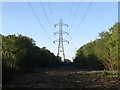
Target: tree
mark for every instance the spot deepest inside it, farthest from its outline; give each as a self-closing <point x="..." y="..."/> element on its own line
<point x="21" y="52"/>
<point x="103" y="52"/>
<point x="85" y="57"/>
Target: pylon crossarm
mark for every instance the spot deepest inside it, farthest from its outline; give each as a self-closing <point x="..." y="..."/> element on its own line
<point x="55" y="41"/>
<point x="65" y="41"/>
<point x="56" y="33"/>
<point x="65" y="33"/>
<point x="65" y="24"/>
<point x="56" y="25"/>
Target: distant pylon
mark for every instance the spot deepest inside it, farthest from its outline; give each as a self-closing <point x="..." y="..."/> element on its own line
<point x="60" y="40"/>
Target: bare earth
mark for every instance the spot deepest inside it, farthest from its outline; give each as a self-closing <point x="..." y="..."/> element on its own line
<point x="62" y="78"/>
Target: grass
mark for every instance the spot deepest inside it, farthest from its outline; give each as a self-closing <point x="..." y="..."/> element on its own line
<point x="110" y="73"/>
<point x="102" y="73"/>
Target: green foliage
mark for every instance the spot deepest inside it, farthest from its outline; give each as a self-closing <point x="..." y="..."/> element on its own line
<point x="21" y="52"/>
<point x="103" y="52"/>
<point x="110" y="73"/>
<point x="67" y="61"/>
<point x="86" y="58"/>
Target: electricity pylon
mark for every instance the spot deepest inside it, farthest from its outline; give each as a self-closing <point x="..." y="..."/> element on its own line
<point x="60" y="40"/>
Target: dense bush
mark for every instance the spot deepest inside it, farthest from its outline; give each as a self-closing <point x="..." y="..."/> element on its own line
<point x="103" y="52"/>
<point x="21" y="52"/>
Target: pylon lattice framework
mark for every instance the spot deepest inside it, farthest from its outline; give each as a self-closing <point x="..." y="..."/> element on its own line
<point x="60" y="40"/>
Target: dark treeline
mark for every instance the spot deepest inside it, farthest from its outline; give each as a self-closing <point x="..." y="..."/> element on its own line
<point x="19" y="53"/>
<point x="102" y="53"/>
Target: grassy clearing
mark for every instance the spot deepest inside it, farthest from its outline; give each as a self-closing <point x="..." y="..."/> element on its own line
<point x="69" y="79"/>
<point x="101" y="73"/>
<point x="110" y="73"/>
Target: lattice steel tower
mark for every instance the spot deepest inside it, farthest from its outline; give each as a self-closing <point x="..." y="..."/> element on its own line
<point x="60" y="40"/>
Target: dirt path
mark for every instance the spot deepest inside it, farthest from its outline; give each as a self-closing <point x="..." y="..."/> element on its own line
<point x="49" y="78"/>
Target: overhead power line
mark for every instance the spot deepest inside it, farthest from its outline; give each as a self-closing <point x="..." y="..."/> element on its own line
<point x="32" y="9"/>
<point x="70" y="10"/>
<point x="51" y="11"/>
<point x="75" y="14"/>
<point x="85" y="14"/>
<point x="46" y="16"/>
